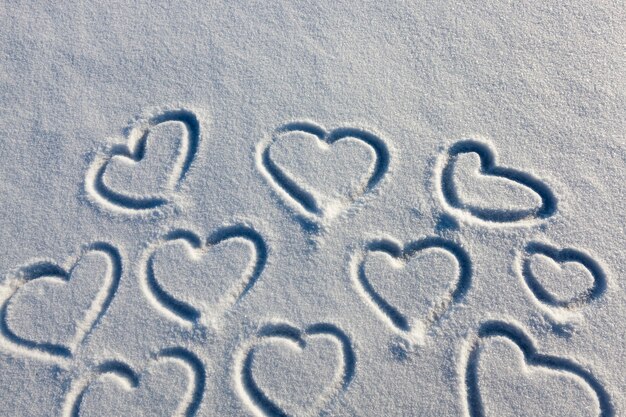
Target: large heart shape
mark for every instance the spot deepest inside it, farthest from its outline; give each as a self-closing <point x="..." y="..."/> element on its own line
<point x="145" y="173"/>
<point x="171" y="385"/>
<point x="562" y="278"/>
<point x="411" y="286"/>
<point x="50" y="309"/>
<point x="286" y="372"/>
<point x="556" y="384"/>
<point x="189" y="279"/>
<point x="489" y="192"/>
<point x="299" y="162"/>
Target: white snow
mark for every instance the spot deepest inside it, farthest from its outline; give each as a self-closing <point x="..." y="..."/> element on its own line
<point x="312" y="208"/>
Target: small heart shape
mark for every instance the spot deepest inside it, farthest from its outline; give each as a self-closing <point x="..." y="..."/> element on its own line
<point x="145" y="173"/>
<point x="171" y="385"/>
<point x="189" y="279"/>
<point x="319" y="173"/>
<point x="490" y="192"/>
<point x="51" y="309"/>
<point x="562" y="278"/>
<point x="411" y="286"/>
<point x="286" y="372"/>
<point x="558" y="385"/>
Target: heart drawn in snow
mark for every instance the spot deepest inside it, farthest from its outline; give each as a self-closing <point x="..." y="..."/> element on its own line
<point x="176" y="377"/>
<point x="146" y="172"/>
<point x="50" y="309"/>
<point x="288" y="372"/>
<point x="473" y="184"/>
<point x="190" y="279"/>
<point x="411" y="286"/>
<point x="318" y="172"/>
<point x="550" y="385"/>
<point x="562" y="278"/>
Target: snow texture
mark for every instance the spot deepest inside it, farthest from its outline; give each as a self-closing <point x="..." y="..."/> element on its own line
<point x="312" y="208"/>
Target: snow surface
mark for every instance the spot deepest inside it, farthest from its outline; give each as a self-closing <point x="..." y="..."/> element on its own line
<point x="304" y="209"/>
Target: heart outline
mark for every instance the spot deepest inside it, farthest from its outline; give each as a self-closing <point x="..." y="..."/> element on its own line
<point x="131" y="379"/>
<point x="532" y="358"/>
<point x="254" y="397"/>
<point x="561" y="256"/>
<point x="50" y="269"/>
<point x="183" y="311"/>
<point x="451" y="201"/>
<point x="134" y="150"/>
<point x="404" y="252"/>
<point x="298" y="199"/>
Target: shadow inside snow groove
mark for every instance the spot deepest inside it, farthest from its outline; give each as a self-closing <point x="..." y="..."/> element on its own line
<point x="518" y="336"/>
<point x="47" y="269"/>
<point x="127" y="374"/>
<point x="397" y="251"/>
<point x="192" y="125"/>
<point x="183" y="309"/>
<point x="298" y="337"/>
<point x="490" y="168"/>
<point x="560" y="256"/>
<point x="302" y="197"/>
